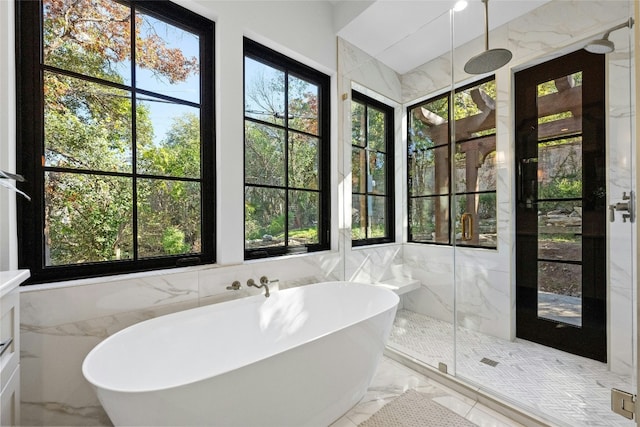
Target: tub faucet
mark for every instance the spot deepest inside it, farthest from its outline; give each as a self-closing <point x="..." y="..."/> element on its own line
<point x="263" y="284"/>
<point x="234" y="286"/>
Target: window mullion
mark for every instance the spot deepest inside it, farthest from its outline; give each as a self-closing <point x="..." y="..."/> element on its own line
<point x="286" y="159"/>
<point x="134" y="144"/>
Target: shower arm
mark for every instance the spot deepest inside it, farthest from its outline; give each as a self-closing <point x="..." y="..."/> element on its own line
<point x="486" y="24"/>
<point x="628" y="23"/>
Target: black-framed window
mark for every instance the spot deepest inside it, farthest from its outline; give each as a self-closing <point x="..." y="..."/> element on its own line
<point x="286" y="155"/>
<point x="467" y="190"/>
<point x="115" y="137"/>
<point x="372" y="190"/>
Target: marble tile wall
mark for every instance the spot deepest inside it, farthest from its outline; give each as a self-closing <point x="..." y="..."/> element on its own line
<point x="485" y="282"/>
<point x="61" y="324"/>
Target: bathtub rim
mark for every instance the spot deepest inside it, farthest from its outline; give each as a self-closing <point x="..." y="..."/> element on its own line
<point x="254" y="299"/>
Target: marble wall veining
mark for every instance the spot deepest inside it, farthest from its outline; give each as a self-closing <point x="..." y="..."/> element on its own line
<point x="484" y="280"/>
<point x="61" y="323"/>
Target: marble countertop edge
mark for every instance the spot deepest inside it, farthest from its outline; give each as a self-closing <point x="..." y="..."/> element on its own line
<point x="9" y="280"/>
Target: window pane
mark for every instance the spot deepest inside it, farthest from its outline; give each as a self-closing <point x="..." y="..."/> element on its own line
<point x="358" y="217"/>
<point x="560" y="292"/>
<point x="475" y="165"/>
<point x="377" y="221"/>
<point x="358" y="124"/>
<point x="429" y="171"/>
<point x="560" y="169"/>
<point x="75" y="133"/>
<point x="429" y="219"/>
<point x="90" y="37"/>
<point x="303" y="161"/>
<point x="304" y="217"/>
<point x="168" y="138"/>
<point x="376" y="129"/>
<point x="264" y="154"/>
<point x="88" y="218"/>
<point x="560" y="230"/>
<point x="263" y="92"/>
<point x="168" y="217"/>
<point x="358" y="170"/>
<point x="264" y="217"/>
<point x="167" y="59"/>
<point x="378" y="170"/>
<point x="303" y="105"/>
<point x="429" y="125"/>
<point x="479" y="220"/>
<point x="475" y="111"/>
<point x="563" y="91"/>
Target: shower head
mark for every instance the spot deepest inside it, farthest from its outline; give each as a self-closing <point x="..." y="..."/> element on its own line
<point x="490" y="59"/>
<point x="604" y="45"/>
<point x="487" y="61"/>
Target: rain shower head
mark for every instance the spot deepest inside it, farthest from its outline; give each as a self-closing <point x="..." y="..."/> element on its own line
<point x="604" y="45"/>
<point x="490" y="59"/>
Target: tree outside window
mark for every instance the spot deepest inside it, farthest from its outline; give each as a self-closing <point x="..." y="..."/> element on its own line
<point x="371" y="171"/>
<point x="286" y="155"/>
<point x="464" y="189"/>
<point x="124" y="134"/>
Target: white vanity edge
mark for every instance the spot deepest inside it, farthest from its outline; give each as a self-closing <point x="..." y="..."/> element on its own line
<point x="9" y="280"/>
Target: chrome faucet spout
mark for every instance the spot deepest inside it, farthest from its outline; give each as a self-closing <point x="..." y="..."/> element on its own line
<point x="263" y="284"/>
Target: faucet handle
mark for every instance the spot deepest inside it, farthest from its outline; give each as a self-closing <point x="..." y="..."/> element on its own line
<point x="234" y="286"/>
<point x="264" y="280"/>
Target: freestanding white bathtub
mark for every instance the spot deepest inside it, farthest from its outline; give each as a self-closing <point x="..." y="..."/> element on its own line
<point x="302" y="357"/>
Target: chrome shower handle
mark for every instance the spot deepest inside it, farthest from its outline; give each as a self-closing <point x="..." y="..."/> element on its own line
<point x="628" y="206"/>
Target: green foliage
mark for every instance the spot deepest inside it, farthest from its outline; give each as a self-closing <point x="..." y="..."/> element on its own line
<point x="89" y="215"/>
<point x="173" y="241"/>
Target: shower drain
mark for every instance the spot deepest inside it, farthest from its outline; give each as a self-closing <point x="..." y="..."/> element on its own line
<point x="489" y="362"/>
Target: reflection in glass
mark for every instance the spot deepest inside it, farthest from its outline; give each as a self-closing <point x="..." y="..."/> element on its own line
<point x="304" y="217"/>
<point x="303" y="161"/>
<point x="560" y="292"/>
<point x="264" y="217"/>
<point x="167" y="138"/>
<point x="264" y="154"/>
<point x="263" y="92"/>
<point x="429" y="219"/>
<point x="92" y="38"/>
<point x="75" y="134"/>
<point x="168" y="217"/>
<point x="88" y="218"/>
<point x="177" y="50"/>
<point x="303" y="105"/>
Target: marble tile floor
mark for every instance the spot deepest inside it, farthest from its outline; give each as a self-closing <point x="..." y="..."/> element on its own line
<point x="563" y="388"/>
<point x="392" y="379"/>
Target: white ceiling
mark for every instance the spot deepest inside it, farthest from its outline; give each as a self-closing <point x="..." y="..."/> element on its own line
<point x="404" y="34"/>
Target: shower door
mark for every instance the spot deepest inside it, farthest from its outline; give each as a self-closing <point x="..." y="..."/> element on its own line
<point x="561" y="204"/>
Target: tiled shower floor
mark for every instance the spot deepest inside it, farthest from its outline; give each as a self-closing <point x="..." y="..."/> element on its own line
<point x="567" y="389"/>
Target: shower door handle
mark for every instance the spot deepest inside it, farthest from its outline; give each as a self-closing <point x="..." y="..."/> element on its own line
<point x="628" y="206"/>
